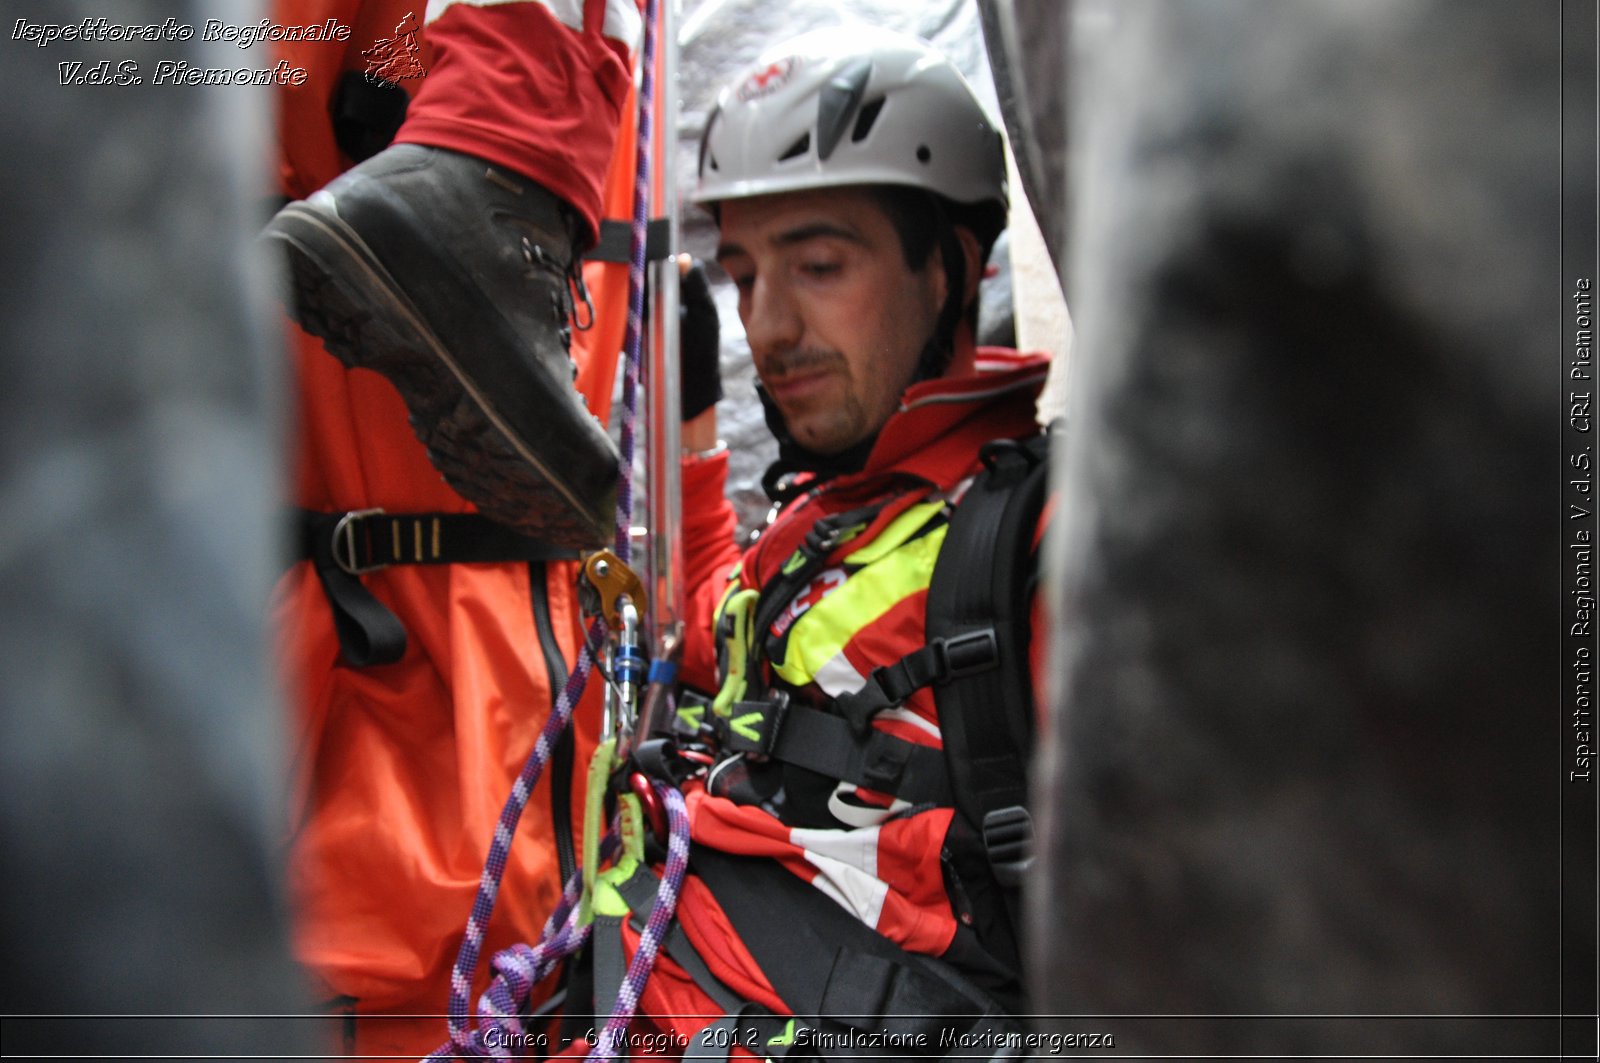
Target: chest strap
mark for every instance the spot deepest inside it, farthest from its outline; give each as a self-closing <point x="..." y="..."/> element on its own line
<point x="842" y="744"/>
<point x="344" y="546"/>
<point x="829" y="745"/>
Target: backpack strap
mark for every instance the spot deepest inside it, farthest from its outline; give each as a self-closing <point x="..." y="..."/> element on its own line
<point x="982" y="589"/>
<point x="839" y="975"/>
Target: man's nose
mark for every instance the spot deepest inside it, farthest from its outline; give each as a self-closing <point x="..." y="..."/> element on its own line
<point x="771" y="319"/>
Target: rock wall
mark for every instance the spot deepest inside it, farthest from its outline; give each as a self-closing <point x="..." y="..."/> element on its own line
<point x="1301" y="755"/>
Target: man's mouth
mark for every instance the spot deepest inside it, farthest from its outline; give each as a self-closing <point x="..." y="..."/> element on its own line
<point x="796" y="377"/>
<point x="795" y="387"/>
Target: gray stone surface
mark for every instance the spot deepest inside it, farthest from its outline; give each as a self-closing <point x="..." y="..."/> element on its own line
<point x="141" y="774"/>
<point x="1301" y="757"/>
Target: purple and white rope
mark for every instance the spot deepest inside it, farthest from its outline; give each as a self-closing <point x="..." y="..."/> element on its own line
<point x="500" y="847"/>
<point x="519" y="968"/>
<point x="655" y="929"/>
<point x="463" y="1040"/>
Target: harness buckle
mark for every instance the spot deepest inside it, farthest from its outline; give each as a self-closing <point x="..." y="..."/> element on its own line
<point x="753" y="726"/>
<point x="345" y="554"/>
<point x="969" y="654"/>
<point x="1008" y="839"/>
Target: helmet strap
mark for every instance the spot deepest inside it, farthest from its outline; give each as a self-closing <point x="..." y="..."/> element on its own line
<point x="794" y="458"/>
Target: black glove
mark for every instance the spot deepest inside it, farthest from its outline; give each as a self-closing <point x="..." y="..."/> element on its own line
<point x="699" y="332"/>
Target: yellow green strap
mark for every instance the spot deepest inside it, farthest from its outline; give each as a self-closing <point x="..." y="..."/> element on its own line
<point x="601" y="766"/>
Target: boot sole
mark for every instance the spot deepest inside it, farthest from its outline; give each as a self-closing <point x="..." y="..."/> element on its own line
<point x="343" y="295"/>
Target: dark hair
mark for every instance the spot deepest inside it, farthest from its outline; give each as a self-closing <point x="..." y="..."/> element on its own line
<point x="924" y="220"/>
<point x="921" y="219"/>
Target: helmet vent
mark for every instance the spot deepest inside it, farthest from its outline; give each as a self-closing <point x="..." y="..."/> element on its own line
<point x="923" y="153"/>
<point x="837" y="101"/>
<point x="864" y="120"/>
<point x="798" y="148"/>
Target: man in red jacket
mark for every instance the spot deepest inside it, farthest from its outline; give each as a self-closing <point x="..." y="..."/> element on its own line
<point x="858" y="185"/>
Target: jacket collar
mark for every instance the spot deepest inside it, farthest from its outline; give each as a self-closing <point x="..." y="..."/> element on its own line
<point x="936" y="432"/>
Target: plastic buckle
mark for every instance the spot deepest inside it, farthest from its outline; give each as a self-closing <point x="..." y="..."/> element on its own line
<point x="753" y="726"/>
<point x="1008" y="839"/>
<point x="969" y="654"/>
<point x="344" y="543"/>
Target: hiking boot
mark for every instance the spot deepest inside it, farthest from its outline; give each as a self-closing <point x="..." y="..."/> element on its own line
<point x="453" y="279"/>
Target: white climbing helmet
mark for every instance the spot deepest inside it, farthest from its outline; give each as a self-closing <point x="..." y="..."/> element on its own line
<point x="850" y="106"/>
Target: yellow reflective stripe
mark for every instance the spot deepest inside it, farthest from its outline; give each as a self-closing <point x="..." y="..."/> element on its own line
<point x="691" y="717"/>
<point x="899" y="530"/>
<point x="822" y="631"/>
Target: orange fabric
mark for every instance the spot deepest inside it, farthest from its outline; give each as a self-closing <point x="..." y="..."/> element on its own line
<point x="309" y="157"/>
<point x="401" y="771"/>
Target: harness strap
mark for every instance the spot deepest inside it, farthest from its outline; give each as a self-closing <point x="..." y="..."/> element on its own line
<point x="828" y="966"/>
<point x="940" y="660"/>
<point x="982" y="583"/>
<point x="616" y="240"/>
<point x="809" y="559"/>
<point x="830" y="745"/>
<point x="716" y="1039"/>
<point x="639" y="890"/>
<point x="747" y="618"/>
<point x="343" y="546"/>
<point x="365" y="540"/>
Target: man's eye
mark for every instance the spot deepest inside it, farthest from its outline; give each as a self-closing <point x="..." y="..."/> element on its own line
<point x="819" y="269"/>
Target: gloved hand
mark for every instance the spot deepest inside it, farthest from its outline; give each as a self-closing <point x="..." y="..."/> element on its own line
<point x="700" y="335"/>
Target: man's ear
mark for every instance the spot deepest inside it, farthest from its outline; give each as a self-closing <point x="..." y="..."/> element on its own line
<point x="972" y="271"/>
<point x="974" y="263"/>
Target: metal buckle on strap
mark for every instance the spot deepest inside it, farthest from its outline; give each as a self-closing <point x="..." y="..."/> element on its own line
<point x="344" y="543"/>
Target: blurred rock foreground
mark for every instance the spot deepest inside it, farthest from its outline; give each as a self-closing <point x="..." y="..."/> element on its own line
<point x="1301" y="756"/>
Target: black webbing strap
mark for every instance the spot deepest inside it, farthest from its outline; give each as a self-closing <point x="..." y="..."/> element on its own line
<point x="366" y="539"/>
<point x="342" y="546"/>
<point x="981" y="582"/>
<point x="610" y="966"/>
<point x="829" y="745"/>
<point x="829" y="967"/>
<point x="743" y="1022"/>
<point x="940" y="660"/>
<point x="616" y="241"/>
